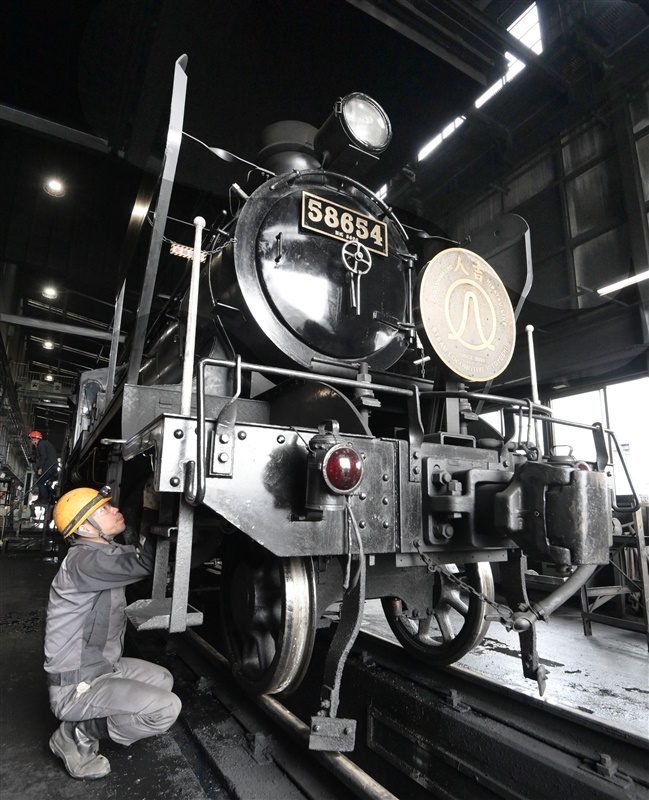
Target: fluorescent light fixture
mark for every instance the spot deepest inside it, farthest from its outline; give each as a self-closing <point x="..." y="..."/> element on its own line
<point x="48" y="345"/>
<point x="428" y="148"/>
<point x="613" y="287"/>
<point x="448" y="130"/>
<point x="50" y="292"/>
<point x="55" y="187"/>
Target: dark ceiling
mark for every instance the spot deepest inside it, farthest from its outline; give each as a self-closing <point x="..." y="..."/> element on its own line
<point x="102" y="72"/>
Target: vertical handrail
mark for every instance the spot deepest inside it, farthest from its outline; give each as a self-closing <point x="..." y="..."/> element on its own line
<point x="529" y="329"/>
<point x="194" y="487"/>
<point x="192" y="315"/>
<point x="636" y="500"/>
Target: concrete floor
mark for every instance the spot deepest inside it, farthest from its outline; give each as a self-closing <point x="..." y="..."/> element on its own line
<point x="605" y="675"/>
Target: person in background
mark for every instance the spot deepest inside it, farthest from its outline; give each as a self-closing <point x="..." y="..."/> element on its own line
<point x="96" y="691"/>
<point x="47" y="466"/>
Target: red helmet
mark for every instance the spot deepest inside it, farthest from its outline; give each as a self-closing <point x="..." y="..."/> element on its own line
<point x="35" y="435"/>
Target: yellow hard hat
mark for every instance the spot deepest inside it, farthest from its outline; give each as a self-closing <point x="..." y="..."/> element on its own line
<point x="74" y="508"/>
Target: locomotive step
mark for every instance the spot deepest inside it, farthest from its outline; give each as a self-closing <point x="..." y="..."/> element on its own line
<point x="152" y="614"/>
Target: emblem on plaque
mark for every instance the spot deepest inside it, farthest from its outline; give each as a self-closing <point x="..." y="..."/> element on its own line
<point x="466" y="315"/>
<point x="358" y="262"/>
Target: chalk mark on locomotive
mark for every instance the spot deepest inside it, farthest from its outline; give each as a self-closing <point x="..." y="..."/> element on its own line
<point x="347" y="475"/>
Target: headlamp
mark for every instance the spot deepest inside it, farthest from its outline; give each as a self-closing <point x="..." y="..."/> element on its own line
<point x="354" y="135"/>
<point x="365" y="122"/>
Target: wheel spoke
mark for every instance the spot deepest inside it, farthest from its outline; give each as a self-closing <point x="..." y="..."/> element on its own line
<point x="248" y="652"/>
<point x="445" y="626"/>
<point x="454" y="599"/>
<point x="265" y="650"/>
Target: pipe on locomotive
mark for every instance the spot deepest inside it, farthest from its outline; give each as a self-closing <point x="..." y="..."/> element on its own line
<point x="523" y="620"/>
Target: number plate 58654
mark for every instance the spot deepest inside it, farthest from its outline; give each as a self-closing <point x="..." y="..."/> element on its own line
<point x="339" y="222"/>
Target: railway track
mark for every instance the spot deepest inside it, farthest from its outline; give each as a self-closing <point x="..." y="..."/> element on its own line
<point x="421" y="733"/>
<point x="241" y="747"/>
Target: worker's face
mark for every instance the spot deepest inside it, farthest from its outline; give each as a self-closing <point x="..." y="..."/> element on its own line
<point x="33" y="440"/>
<point x="109" y="519"/>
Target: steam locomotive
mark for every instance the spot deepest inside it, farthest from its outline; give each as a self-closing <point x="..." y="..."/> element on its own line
<point x="300" y="446"/>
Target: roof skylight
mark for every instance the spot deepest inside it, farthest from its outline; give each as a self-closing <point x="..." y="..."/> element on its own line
<point x="528" y="31"/>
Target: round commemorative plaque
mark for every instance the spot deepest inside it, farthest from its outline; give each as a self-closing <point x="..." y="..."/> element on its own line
<point x="466" y="314"/>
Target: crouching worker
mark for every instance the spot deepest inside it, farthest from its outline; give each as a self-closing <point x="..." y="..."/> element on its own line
<point x="93" y="689"/>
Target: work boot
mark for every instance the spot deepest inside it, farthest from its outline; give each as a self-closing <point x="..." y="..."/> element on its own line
<point x="88" y="733"/>
<point x="77" y="743"/>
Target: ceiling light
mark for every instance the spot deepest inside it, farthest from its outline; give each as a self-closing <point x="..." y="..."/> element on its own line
<point x="50" y="292"/>
<point x="48" y="345"/>
<point x="613" y="287"/>
<point x="54" y="187"/>
<point x="46" y="400"/>
<point x="49" y="378"/>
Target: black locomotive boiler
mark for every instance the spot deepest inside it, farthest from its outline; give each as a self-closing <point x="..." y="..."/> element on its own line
<point x="304" y="450"/>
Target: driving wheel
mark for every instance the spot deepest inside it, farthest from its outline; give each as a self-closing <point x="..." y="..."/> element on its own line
<point x="268" y="612"/>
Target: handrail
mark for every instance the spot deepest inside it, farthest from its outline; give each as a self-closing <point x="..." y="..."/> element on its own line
<point x="196" y="469"/>
<point x="636" y="506"/>
<point x="535" y="411"/>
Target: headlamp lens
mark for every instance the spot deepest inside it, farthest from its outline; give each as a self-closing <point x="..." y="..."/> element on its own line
<point x="366" y="121"/>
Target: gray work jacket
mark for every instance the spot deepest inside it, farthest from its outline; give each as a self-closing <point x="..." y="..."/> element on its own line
<point x="84" y="632"/>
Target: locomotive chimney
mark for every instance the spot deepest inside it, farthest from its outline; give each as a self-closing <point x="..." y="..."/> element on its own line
<point x="287" y="146"/>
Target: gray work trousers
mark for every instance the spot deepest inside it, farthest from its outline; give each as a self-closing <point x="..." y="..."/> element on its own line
<point x="135" y="699"/>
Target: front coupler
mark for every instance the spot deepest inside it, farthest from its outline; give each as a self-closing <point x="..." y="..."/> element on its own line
<point x="557" y="513"/>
